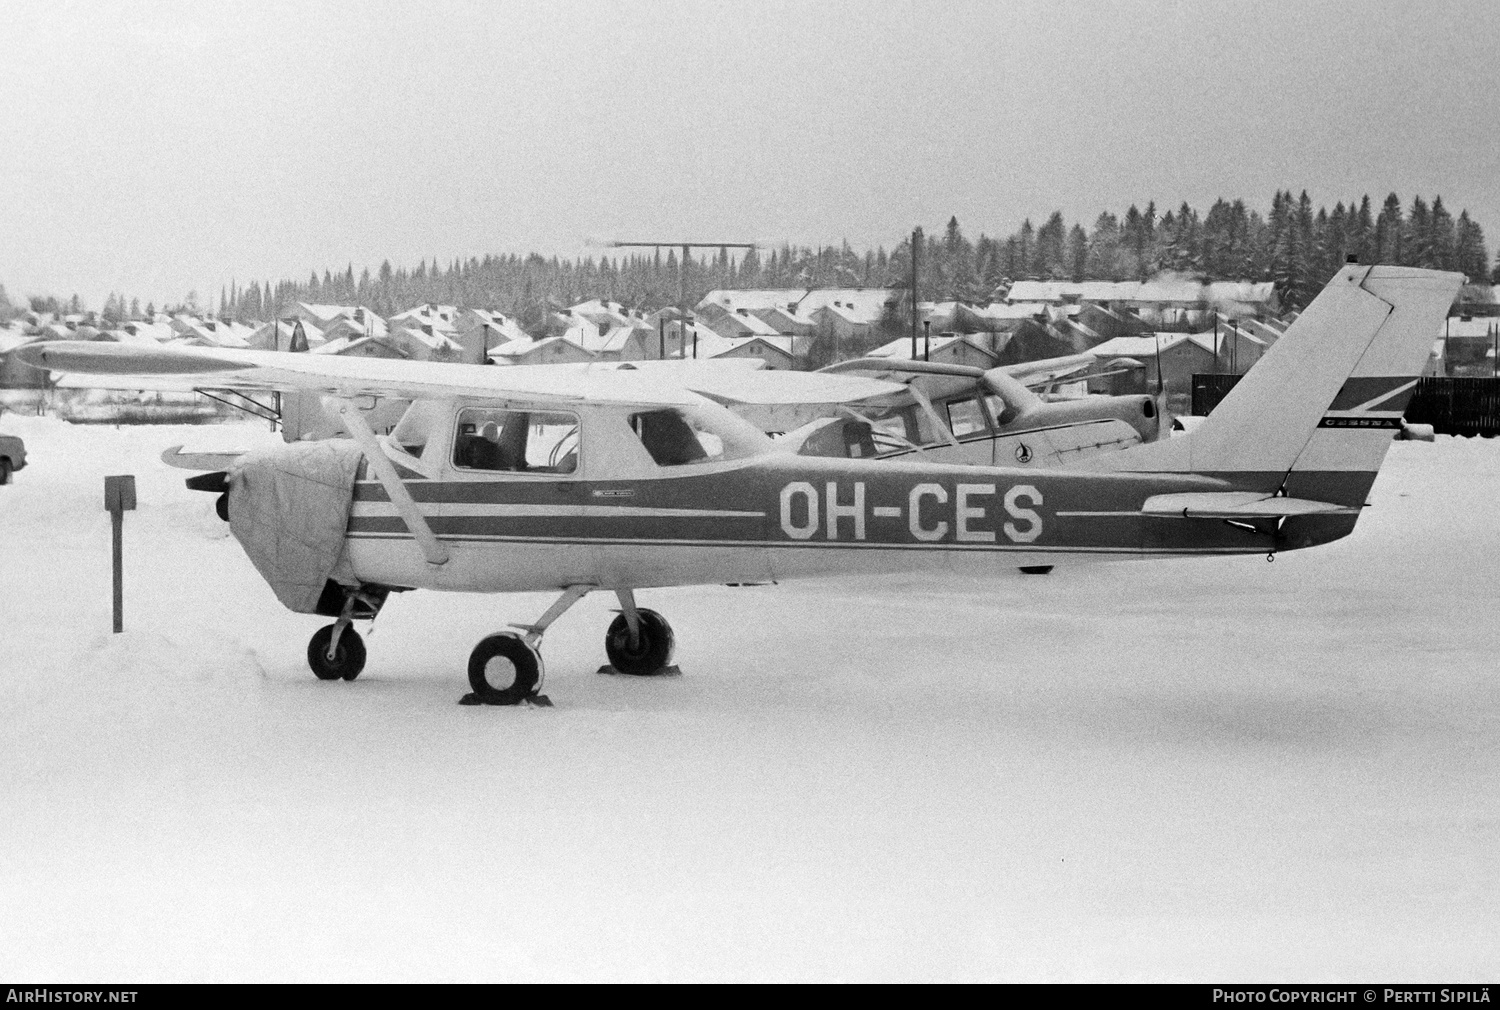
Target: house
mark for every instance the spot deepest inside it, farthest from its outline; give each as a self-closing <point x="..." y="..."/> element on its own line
<point x="213" y="333"/>
<point x="1468" y="344"/>
<point x="672" y="337"/>
<point x="324" y="316"/>
<point x="363" y="347"/>
<point x="424" y="342"/>
<point x="777" y="352"/>
<point x="868" y="305"/>
<point x="547" y="351"/>
<point x="843" y="323"/>
<point x="741" y="323"/>
<point x="354" y="327"/>
<point x="282" y="334"/>
<point x="997" y="317"/>
<point x="159" y="332"/>
<point x="605" y="315"/>
<point x="582" y="330"/>
<point x="439" y="317"/>
<point x="797" y="324"/>
<point x="1165" y="299"/>
<point x="1238" y="348"/>
<point x="1181" y="355"/>
<point x="625" y="342"/>
<point x="948" y="348"/>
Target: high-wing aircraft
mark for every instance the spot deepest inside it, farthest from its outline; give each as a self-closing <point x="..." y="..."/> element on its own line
<point x="964" y="414"/>
<point x="508" y="480"/>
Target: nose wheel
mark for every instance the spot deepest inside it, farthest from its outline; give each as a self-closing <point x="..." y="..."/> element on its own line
<point x="336" y="652"/>
<point x="341" y="661"/>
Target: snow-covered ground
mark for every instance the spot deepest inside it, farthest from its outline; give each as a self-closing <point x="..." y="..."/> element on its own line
<point x="1222" y="769"/>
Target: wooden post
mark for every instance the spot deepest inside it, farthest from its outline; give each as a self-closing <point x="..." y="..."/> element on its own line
<point x="119" y="496"/>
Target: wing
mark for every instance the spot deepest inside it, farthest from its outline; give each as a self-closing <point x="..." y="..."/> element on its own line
<point x="254" y="371"/>
<point x="217" y="368"/>
<point x="1047" y="371"/>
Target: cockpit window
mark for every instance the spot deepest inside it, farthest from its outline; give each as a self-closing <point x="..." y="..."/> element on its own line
<point x="965" y="417"/>
<point x="516" y="440"/>
<point x="676" y="437"/>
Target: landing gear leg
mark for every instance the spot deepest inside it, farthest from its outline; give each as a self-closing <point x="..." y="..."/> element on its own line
<point x="506" y="668"/>
<point x="639" y="641"/>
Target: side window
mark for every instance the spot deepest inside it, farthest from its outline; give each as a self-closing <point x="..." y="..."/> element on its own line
<point x="516" y="441"/>
<point x="889" y="434"/>
<point x="965" y="417"/>
<point x="919" y="426"/>
<point x="673" y="439"/>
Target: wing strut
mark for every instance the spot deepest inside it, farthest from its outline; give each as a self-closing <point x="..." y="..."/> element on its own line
<point x="432" y="548"/>
<point x="942" y="426"/>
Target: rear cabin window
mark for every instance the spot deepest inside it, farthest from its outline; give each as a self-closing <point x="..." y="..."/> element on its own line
<point x="517" y="441"/>
<point x="965" y="417"/>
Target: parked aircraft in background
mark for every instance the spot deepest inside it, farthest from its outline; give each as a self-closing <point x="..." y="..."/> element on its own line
<point x="965" y="414"/>
<point x="522" y="480"/>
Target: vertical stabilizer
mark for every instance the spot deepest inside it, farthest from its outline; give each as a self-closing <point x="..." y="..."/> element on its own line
<point x="1315" y="416"/>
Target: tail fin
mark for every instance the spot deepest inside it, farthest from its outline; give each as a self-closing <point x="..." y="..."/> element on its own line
<point x="1314" y="417"/>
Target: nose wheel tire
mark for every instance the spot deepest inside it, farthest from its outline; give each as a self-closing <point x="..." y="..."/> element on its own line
<point x="348" y="658"/>
<point x="652" y="651"/>
<point x="504" y="670"/>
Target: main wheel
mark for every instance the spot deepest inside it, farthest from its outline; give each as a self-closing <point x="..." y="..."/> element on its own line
<point x="653" y="648"/>
<point x="348" y="659"/>
<point x="4" y="471"/>
<point x="504" y="670"/>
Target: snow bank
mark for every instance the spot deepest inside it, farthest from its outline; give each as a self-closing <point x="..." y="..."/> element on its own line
<point x="1219" y="769"/>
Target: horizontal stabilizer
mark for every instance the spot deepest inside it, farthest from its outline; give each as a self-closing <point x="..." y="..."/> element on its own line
<point x="1237" y="505"/>
<point x="198" y="460"/>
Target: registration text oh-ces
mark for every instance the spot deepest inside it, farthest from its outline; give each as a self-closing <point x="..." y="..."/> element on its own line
<point x="929" y="513"/>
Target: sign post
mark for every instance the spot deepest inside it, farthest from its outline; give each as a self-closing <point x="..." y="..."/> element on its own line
<point x="119" y="495"/>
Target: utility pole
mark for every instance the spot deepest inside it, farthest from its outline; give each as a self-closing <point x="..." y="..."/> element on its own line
<point x="915" y="235"/>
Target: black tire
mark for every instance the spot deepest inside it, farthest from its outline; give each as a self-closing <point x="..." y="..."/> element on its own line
<point x="509" y="682"/>
<point x="4" y="470"/>
<point x="221" y="506"/>
<point x="653" y="650"/>
<point x="348" y="659"/>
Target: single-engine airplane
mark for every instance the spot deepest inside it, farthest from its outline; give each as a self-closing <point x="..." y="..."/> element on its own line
<point x="964" y="414"/>
<point x="508" y="480"/>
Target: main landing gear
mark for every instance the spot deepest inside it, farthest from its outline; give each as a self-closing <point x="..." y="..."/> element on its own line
<point x="506" y="668"/>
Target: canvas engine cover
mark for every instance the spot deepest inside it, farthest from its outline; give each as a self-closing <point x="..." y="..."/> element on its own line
<point x="289" y="509"/>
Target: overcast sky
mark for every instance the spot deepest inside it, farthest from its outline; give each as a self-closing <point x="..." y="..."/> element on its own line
<point x="153" y="148"/>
